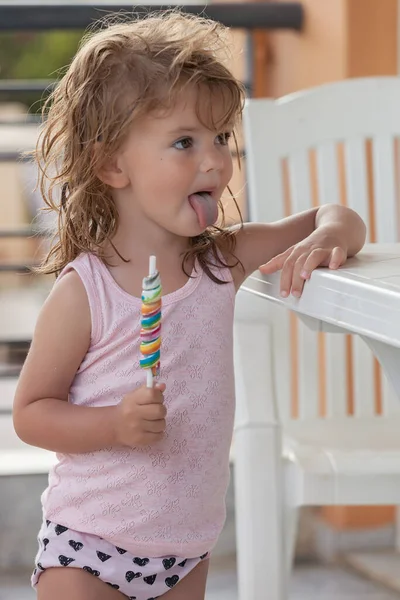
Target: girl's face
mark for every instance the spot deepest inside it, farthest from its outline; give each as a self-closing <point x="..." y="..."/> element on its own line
<point x="167" y="159"/>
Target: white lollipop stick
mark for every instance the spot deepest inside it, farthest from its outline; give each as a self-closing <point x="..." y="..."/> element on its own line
<point x="150" y="378"/>
<point x="152" y="265"/>
<point x="152" y="270"/>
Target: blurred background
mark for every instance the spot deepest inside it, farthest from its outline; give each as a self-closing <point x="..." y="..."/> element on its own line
<point x="278" y="48"/>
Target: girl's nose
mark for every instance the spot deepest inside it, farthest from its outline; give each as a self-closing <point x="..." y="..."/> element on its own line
<point x="213" y="160"/>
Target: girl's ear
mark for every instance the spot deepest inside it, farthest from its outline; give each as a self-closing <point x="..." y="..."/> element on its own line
<point x="110" y="173"/>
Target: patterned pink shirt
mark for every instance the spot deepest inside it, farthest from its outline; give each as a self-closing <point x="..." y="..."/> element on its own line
<point x="168" y="498"/>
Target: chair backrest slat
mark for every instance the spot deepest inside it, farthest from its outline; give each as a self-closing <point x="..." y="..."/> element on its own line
<point x="307" y="397"/>
<point x="299" y="181"/>
<point x="308" y="365"/>
<point x="269" y="183"/>
<point x="391" y="404"/>
<point x="356" y="177"/>
<point x="362" y="361"/>
<point x="335" y="376"/>
<point x="384" y="189"/>
<point x="363" y="379"/>
<point x="283" y="368"/>
<point x="327" y="169"/>
<point x="335" y="346"/>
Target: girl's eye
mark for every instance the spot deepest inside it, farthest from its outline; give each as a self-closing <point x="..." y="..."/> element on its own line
<point x="223" y="138"/>
<point x="184" y="143"/>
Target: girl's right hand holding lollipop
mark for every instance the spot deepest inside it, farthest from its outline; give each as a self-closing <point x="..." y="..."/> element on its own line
<point x="140" y="417"/>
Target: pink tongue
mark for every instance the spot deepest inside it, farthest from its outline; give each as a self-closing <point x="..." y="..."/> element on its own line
<point x="205" y="208"/>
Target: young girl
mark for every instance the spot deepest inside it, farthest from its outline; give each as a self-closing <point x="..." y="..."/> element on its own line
<point x="136" y="138"/>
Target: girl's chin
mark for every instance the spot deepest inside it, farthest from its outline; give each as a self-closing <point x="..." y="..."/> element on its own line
<point x="197" y="231"/>
<point x="193" y="229"/>
<point x="188" y="227"/>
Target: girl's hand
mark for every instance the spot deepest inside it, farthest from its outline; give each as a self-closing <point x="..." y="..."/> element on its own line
<point x="140" y="417"/>
<point x="323" y="248"/>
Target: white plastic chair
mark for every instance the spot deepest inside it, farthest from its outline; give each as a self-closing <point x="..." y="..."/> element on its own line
<point x="341" y="136"/>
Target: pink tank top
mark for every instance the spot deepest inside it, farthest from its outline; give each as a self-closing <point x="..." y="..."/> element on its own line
<point x="168" y="498"/>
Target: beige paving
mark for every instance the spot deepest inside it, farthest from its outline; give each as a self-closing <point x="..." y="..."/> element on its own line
<point x="383" y="567"/>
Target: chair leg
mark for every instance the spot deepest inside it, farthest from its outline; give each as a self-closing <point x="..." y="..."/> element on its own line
<point x="291" y="526"/>
<point x="397" y="530"/>
<point x="259" y="502"/>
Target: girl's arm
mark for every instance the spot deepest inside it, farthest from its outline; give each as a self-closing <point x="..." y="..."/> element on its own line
<point x="42" y="414"/>
<point x="324" y="236"/>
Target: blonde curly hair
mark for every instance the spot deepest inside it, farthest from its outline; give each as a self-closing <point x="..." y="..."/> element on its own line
<point x="120" y="72"/>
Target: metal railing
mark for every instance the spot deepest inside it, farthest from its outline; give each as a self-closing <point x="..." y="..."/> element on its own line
<point x="260" y="15"/>
<point x="28" y="17"/>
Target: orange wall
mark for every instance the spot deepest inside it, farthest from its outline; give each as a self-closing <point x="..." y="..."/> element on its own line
<point x="372" y="32"/>
<point x="340" y="39"/>
<point x="313" y="56"/>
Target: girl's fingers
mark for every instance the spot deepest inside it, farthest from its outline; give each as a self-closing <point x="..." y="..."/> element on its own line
<point x="297" y="267"/>
<point x="160" y="386"/>
<point x="296" y="282"/>
<point x="290" y="274"/>
<point x="307" y="263"/>
<point x="315" y="259"/>
<point x="154" y="426"/>
<point x="338" y="258"/>
<point x="276" y="263"/>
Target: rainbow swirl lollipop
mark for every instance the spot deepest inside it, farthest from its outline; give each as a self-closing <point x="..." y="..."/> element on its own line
<point x="150" y="334"/>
